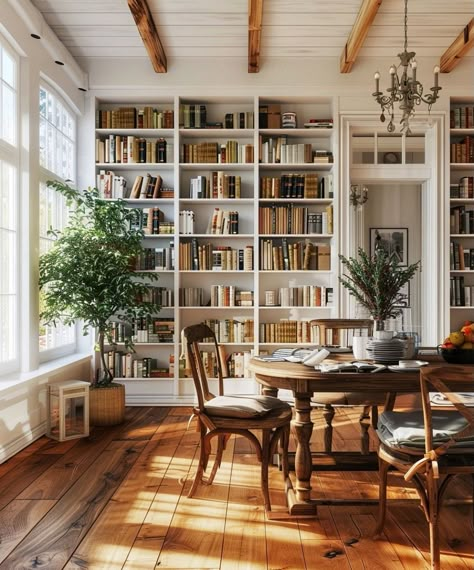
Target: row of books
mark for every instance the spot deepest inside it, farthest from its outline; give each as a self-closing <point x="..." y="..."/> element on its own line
<point x="194" y="256"/>
<point x="111" y="186"/>
<point x="123" y="149"/>
<point x="152" y="222"/>
<point x="128" y="365"/>
<point x="216" y="185"/>
<point x="284" y="255"/>
<point x="302" y="296"/>
<point x="239" y="120"/>
<point x="153" y="330"/>
<point x="461" y="220"/>
<point x="286" y="331"/>
<point x="230" y="296"/>
<point x="232" y="330"/>
<point x="461" y="117"/>
<point x="231" y="152"/>
<point x="192" y="116"/>
<point x="462" y="151"/>
<point x="300" y="185"/>
<point x="463" y="189"/>
<point x="162" y="296"/>
<point x="223" y="222"/>
<point x="293" y="219"/>
<point x="461" y="294"/>
<point x="147" y="117"/>
<point x="234" y="365"/>
<point x="460" y="257"/>
<point x="149" y="187"/>
<point x="186" y="222"/>
<point x="156" y="259"/>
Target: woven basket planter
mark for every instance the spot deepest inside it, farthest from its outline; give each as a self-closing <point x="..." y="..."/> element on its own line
<point x="107" y="405"/>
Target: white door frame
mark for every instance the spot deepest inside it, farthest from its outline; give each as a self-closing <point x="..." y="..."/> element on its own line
<point x="434" y="276"/>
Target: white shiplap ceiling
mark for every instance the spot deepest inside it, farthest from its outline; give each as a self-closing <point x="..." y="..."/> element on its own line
<point x="219" y="28"/>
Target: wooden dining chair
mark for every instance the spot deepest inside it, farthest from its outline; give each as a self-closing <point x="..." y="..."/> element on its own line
<point x="221" y="416"/>
<point x="430" y="446"/>
<point x="335" y="331"/>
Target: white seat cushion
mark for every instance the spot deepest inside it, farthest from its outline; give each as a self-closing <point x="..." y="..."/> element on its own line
<point x="406" y="429"/>
<point x="243" y="406"/>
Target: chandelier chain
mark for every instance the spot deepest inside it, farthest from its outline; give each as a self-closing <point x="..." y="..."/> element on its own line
<point x="406" y="25"/>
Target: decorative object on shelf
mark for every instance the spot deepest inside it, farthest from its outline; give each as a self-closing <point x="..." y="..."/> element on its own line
<point x="288" y="120"/>
<point x="358" y="195"/>
<point x="68" y="410"/>
<point x="406" y="89"/>
<point x="394" y="241"/>
<point x="89" y="275"/>
<point x="376" y="282"/>
<point x="392" y="158"/>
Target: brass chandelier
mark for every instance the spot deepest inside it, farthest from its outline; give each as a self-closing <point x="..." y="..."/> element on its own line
<point x="404" y="89"/>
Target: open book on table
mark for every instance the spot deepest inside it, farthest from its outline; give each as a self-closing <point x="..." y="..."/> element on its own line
<point x="332" y="366"/>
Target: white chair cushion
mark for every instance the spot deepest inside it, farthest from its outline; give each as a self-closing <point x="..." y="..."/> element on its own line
<point x="243" y="406"/>
<point x="406" y="429"/>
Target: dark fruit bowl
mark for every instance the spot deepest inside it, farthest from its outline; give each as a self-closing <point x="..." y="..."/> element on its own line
<point x="457" y="355"/>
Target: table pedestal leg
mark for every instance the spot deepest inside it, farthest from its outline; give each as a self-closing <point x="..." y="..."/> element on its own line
<point x="299" y="499"/>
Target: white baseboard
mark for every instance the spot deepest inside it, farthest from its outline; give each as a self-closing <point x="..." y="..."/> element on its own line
<point x="13" y="447"/>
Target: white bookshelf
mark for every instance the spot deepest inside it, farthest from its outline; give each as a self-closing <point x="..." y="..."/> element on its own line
<point x="177" y="174"/>
<point x="461" y="300"/>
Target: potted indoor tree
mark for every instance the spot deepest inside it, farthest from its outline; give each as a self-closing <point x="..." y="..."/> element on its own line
<point x="376" y="282"/>
<point x="88" y="275"/>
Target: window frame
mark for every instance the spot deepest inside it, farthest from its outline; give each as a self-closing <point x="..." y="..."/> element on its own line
<point x="10" y="155"/>
<point x="45" y="174"/>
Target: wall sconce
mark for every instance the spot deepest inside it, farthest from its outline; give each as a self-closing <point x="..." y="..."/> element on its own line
<point x="68" y="404"/>
<point x="358" y="195"/>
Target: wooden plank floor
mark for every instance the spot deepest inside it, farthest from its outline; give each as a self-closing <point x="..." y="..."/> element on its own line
<point x="117" y="500"/>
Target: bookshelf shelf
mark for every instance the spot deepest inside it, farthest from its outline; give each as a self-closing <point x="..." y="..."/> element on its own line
<point x="197" y="190"/>
<point x="213" y="134"/>
<point x="149" y="133"/>
<point x="296" y="166"/>
<point x="135" y="166"/>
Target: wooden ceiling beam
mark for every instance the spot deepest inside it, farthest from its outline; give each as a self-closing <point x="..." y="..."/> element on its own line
<point x="255" y="34"/>
<point x="365" y="17"/>
<point x="151" y="40"/>
<point x="458" y="49"/>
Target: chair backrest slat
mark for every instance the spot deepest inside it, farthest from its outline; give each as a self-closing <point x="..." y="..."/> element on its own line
<point x="193" y="336"/>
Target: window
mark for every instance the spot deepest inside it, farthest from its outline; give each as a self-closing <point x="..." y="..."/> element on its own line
<point x="9" y="161"/>
<point x="57" y="161"/>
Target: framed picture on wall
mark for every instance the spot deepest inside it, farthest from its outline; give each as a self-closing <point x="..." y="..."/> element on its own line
<point x="405" y="296"/>
<point x="392" y="240"/>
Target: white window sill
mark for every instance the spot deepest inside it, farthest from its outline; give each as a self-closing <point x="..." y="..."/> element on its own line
<point x="43" y="371"/>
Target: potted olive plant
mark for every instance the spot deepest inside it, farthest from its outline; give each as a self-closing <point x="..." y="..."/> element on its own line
<point x="376" y="282"/>
<point x="88" y="275"/>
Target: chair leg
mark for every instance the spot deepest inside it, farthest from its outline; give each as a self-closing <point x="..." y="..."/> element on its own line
<point x="383" y="475"/>
<point x="328" y="414"/>
<point x="285" y="440"/>
<point x="266" y="450"/>
<point x="204" y="448"/>
<point x="374" y="416"/>
<point x="472" y="510"/>
<point x="433" y="510"/>
<point x="221" y="445"/>
<point x="364" y="421"/>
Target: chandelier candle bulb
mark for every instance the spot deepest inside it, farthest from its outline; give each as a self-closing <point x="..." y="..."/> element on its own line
<point x="436" y="72"/>
<point x="377" y="79"/>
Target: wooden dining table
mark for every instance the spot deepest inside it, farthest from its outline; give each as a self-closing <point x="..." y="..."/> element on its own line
<point x="304" y="382"/>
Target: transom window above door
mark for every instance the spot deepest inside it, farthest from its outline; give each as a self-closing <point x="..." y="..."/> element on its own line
<point x="383" y="148"/>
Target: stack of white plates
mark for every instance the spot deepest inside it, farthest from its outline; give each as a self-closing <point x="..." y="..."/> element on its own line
<point x="386" y="351"/>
